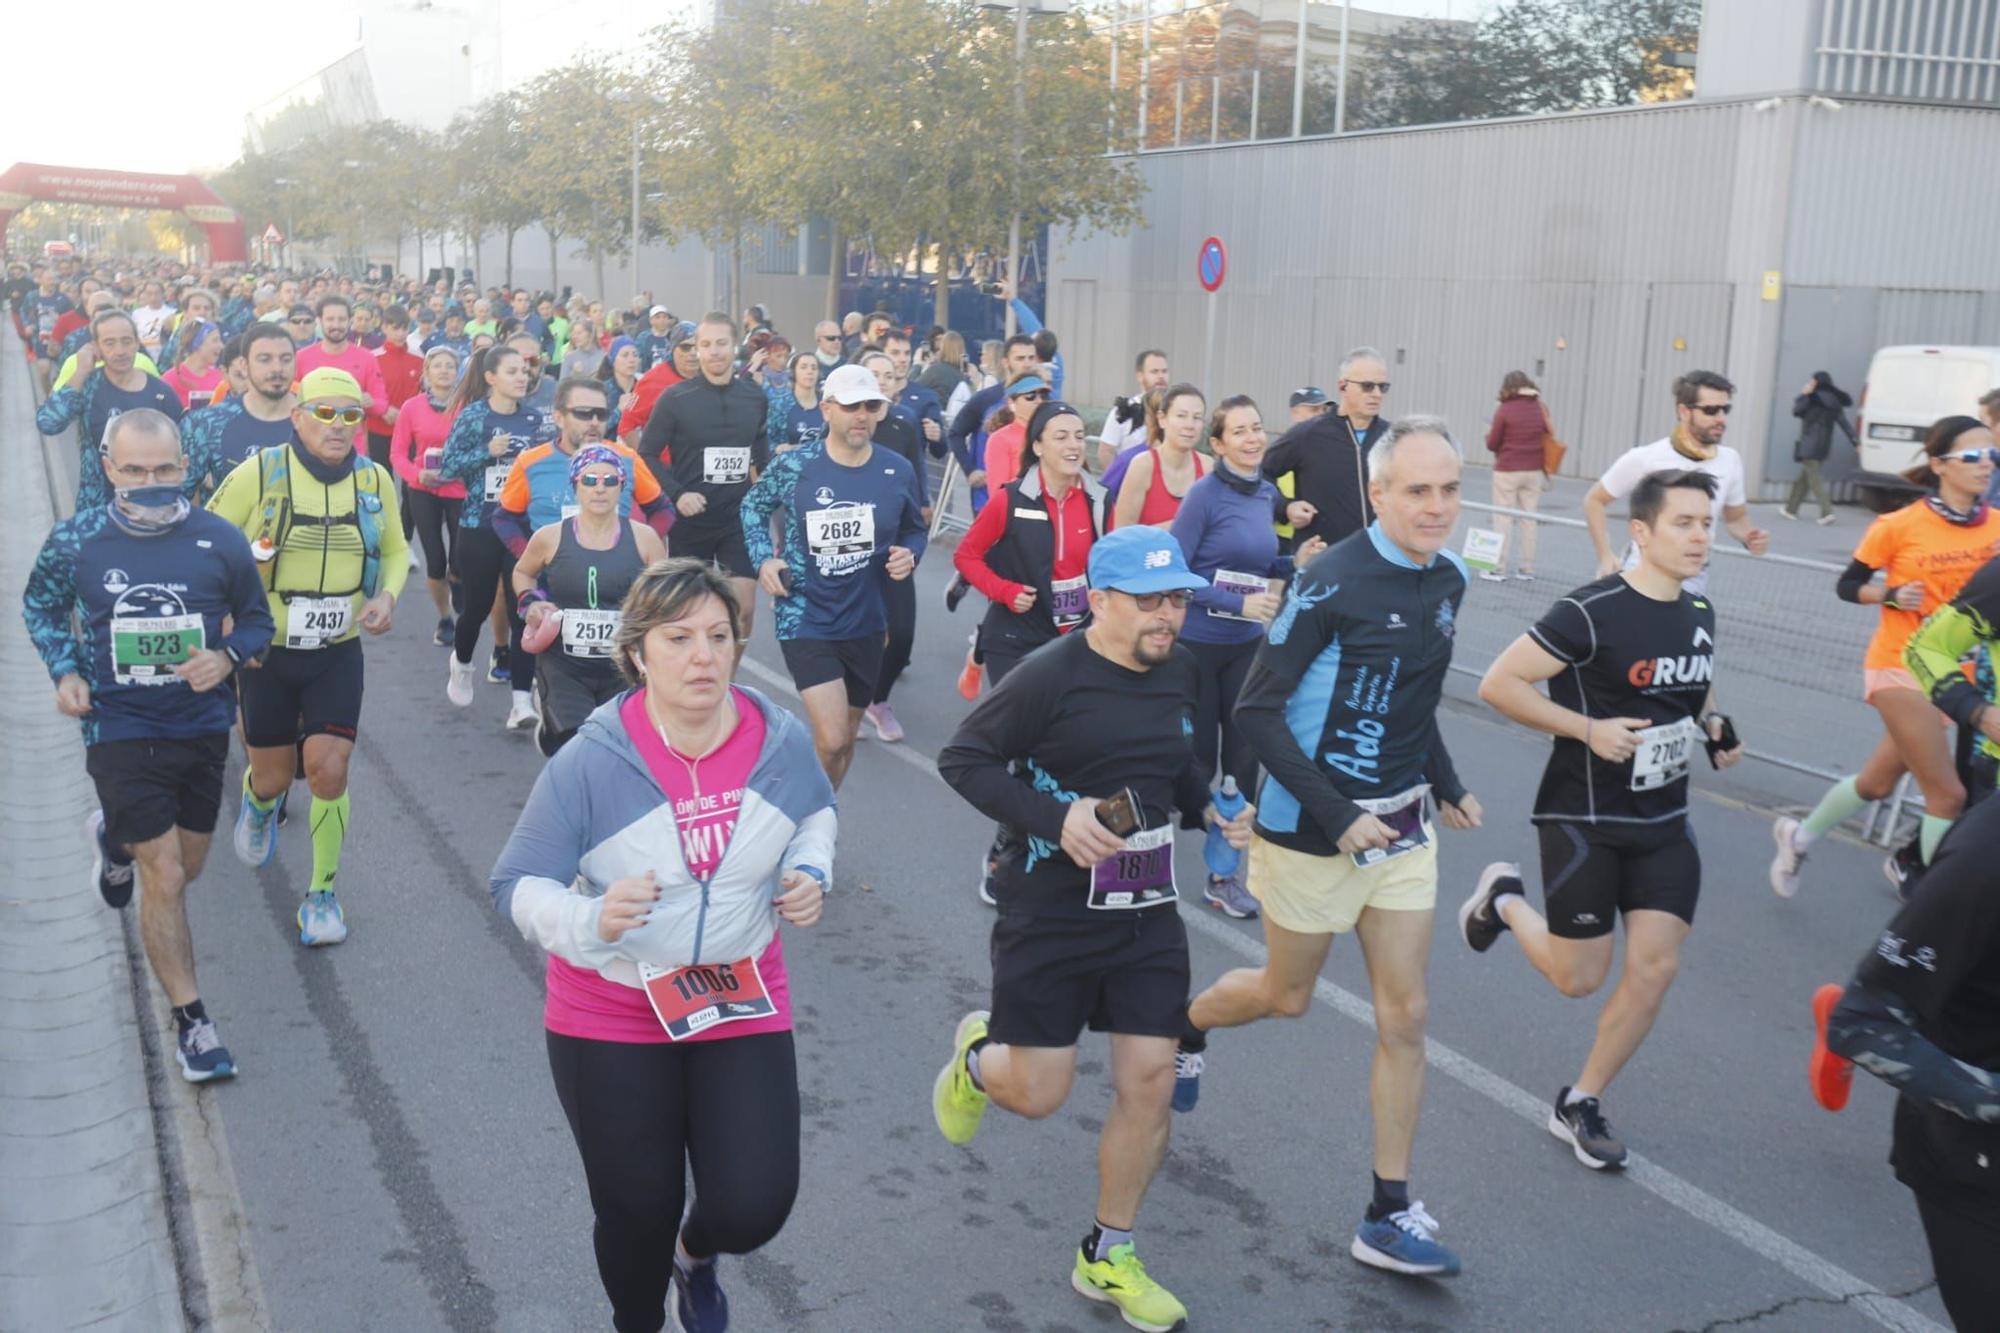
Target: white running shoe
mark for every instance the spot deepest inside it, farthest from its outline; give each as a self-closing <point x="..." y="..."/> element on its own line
<point x="458" y="684"/>
<point x="522" y="716"/>
<point x="1785" y="865"/>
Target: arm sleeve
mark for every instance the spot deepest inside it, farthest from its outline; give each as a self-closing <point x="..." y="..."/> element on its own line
<point x="49" y="603"/>
<point x="1280" y="664"/>
<point x="532" y="881"/>
<point x="970" y="557"/>
<point x="1003" y="729"/>
<point x="1852" y="580"/>
<point x="465" y="455"/>
<point x="249" y="606"/>
<point x="766" y="496"/>
<point x="1880" y="1036"/>
<point x="1946" y="636"/>
<point x="58" y="411"/>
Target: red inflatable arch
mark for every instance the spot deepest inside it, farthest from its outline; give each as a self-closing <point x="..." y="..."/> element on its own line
<point x="25" y="182"/>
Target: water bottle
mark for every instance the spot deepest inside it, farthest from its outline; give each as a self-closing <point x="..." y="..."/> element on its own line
<point x="1221" y="857"/>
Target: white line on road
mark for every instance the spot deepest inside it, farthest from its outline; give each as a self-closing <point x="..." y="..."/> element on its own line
<point x="1655" y="1179"/>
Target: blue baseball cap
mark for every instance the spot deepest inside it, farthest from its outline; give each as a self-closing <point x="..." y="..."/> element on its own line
<point x="1141" y="559"/>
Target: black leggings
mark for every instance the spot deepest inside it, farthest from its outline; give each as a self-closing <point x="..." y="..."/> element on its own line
<point x="435" y="521"/>
<point x="902" y="599"/>
<point x="1963" y="1244"/>
<point x="642" y="1116"/>
<point x="486" y="570"/>
<point x="1222" y="669"/>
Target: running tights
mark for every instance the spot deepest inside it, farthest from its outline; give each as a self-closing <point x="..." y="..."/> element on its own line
<point x="486" y="571"/>
<point x="435" y="522"/>
<point x="902" y="599"/>
<point x="1964" y="1241"/>
<point x="642" y="1116"/>
<point x="1222" y="667"/>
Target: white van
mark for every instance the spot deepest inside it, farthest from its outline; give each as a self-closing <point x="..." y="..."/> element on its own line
<point x="1908" y="388"/>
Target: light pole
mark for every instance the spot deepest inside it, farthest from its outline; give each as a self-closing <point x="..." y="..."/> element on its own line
<point x="1020" y="131"/>
<point x="291" y="223"/>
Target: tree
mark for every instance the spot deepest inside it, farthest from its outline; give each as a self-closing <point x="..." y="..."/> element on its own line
<point x="574" y="156"/>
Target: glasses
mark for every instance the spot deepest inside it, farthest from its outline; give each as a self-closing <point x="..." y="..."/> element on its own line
<point x="346" y="416"/>
<point x="299" y="319"/>
<point x="532" y="362"/>
<point x="1150" y="601"/>
<point x="1974" y="456"/>
<point x="166" y="474"/>
<point x="588" y="413"/>
<point x="871" y="406"/>
<point x="1034" y="396"/>
<point x="594" y="480"/>
<point x="1714" y="409"/>
<point x="829" y="337"/>
<point x="1368" y="386"/>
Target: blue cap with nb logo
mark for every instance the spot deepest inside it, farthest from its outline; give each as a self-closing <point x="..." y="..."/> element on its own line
<point x="1141" y="559"/>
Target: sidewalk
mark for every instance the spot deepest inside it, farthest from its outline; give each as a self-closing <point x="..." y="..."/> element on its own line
<point x="84" y="1233"/>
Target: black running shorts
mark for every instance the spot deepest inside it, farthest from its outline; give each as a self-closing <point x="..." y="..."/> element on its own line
<point x="300" y="692"/>
<point x="1592" y="872"/>
<point x="148" y="788"/>
<point x="858" y="662"/>
<point x="719" y="546"/>
<point x="1055" y="976"/>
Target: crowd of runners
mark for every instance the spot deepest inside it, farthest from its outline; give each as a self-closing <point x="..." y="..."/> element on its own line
<point x="1193" y="620"/>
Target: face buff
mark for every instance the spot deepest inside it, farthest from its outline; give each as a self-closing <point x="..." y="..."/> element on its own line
<point x="148" y="511"/>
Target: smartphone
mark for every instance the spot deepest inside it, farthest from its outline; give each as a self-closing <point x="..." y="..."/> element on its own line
<point x="785" y="580"/>
<point x="1120" y="813"/>
<point x="1723" y="746"/>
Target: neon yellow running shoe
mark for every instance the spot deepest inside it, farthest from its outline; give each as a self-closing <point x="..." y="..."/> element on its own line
<point x="957" y="1104"/>
<point x="1123" y="1281"/>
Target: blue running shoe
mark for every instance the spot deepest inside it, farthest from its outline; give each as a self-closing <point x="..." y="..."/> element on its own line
<point x="1226" y="894"/>
<point x="499" y="667"/>
<point x="320" y="919"/>
<point x="699" y="1305"/>
<point x="1404" y="1242"/>
<point x="200" y="1053"/>
<point x="256" y="833"/>
<point x="1187" y="1078"/>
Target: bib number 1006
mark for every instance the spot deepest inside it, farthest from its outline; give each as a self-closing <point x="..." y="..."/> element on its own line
<point x="695" y="982"/>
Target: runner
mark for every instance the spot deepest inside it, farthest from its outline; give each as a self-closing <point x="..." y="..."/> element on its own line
<point x="490" y="429"/>
<point x="1926" y="552"/>
<point x="1088" y="934"/>
<point x="197" y="375"/>
<point x="705" y="443"/>
<point x="656" y="1074"/>
<point x="802" y="422"/>
<point x="578" y="570"/>
<point x="100" y="393"/>
<point x="155" y="699"/>
<point x="1125" y="425"/>
<point x="336" y="349"/>
<point x="1341" y="710"/>
<point x="323" y="521"/>
<point x="540" y="488"/>
<point x="1964" y="629"/>
<point x="434" y="506"/>
<point x="402" y="372"/>
<point x="1326" y="458"/>
<point x="1146" y="491"/>
<point x="906" y="430"/>
<point x="680" y="366"/>
<point x="1224" y="526"/>
<point x="1922" y="1013"/>
<point x="852" y="522"/>
<point x="1630" y="666"/>
<point x="1008" y="427"/>
<point x="218" y="438"/>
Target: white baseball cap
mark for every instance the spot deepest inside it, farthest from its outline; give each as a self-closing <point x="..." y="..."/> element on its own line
<point x="851" y="385"/>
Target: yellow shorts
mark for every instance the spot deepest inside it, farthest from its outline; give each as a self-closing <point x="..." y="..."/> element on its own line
<point x="1324" y="895"/>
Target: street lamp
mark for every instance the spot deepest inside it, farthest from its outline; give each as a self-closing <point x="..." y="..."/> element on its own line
<point x="291" y="219"/>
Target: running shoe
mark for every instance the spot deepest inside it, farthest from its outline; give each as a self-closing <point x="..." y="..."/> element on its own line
<point x="1788" y="515"/>
<point x="986" y="867"/>
<point x="1825" y="520"/>
<point x="1903" y="868"/>
<point x="1786" y="864"/>
<point x="1525" y="575"/>
<point x="883" y="719"/>
<point x="1404" y="1242"/>
<point x="111" y="872"/>
<point x="699" y="1303"/>
<point x="498" y="670"/>
<point x="458" y="682"/>
<point x="1832" y="1075"/>
<point x="969" y="677"/>
<point x="1581" y="1124"/>
<point x="522" y="716"/>
<point x="1478" y="924"/>
<point x="1120" y="1279"/>
<point x="1226" y="894"/>
<point x="447" y="628"/>
<point x="256" y="833"/>
<point x="285" y="799"/>
<point x="1492" y="576"/>
<point x="320" y="919"/>
<point x="954" y="592"/>
<point x="416" y="559"/>
<point x="1187" y="1078"/>
<point x="955" y="1102"/>
<point x="200" y="1053"/>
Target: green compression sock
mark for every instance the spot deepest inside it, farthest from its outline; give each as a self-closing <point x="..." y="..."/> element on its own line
<point x="1930" y="832"/>
<point x="1840" y="802"/>
<point x="329" y="831"/>
<point x="262" y="806"/>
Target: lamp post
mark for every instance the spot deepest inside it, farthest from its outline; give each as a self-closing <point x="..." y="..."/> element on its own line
<point x="291" y="221"/>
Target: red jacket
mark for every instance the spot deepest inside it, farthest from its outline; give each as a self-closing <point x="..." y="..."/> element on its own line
<point x="402" y="380"/>
<point x="1515" y="437"/>
<point x="647" y="392"/>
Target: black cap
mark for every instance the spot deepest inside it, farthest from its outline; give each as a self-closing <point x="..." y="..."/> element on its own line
<point x="1312" y="394"/>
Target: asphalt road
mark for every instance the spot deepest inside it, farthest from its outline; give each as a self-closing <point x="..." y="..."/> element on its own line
<point x="404" y="1164"/>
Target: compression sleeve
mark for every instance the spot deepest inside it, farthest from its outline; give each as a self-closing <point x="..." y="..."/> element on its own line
<point x="1852" y="580"/>
<point x="766" y="496"/>
<point x="1005" y="728"/>
<point x="1881" y="1037"/>
<point x="1932" y="656"/>
<point x="49" y="602"/>
<point x="62" y="407"/>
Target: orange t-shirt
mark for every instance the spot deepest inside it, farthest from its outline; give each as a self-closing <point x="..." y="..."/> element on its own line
<point x="1917" y="544"/>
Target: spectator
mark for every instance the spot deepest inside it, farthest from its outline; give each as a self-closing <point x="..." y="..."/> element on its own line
<point x="1820" y="406"/>
<point x="1125" y="428"/>
<point x="1515" y="437"/>
<point x="945" y="374"/>
<point x="1309" y="402"/>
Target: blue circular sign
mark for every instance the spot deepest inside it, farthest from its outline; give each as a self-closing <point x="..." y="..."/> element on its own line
<point x="1211" y="264"/>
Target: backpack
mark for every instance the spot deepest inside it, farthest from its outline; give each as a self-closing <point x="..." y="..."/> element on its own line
<point x="275" y="510"/>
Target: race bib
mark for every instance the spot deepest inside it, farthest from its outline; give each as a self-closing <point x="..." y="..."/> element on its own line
<point x="146" y="649"/>
<point x="1139" y="875"/>
<point x="1069" y="600"/>
<point x="1404" y="814"/>
<point x="1663" y="754"/>
<point x="589" y="633"/>
<point x="315" y="622"/>
<point x="843" y="530"/>
<point x="1247" y="585"/>
<point x="688" y="1000"/>
<point x="496" y="477"/>
<point x="725" y="465"/>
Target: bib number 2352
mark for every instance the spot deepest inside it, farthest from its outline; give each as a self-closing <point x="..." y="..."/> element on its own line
<point x="691" y="999"/>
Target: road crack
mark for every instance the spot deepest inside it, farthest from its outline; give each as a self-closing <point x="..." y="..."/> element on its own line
<point x="1794" y="1302"/>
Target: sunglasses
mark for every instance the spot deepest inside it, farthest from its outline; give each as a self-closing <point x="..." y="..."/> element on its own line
<point x="346" y="416"/>
<point x="1715" y="409"/>
<point x="1368" y="386"/>
<point x="1150" y="601"/>
<point x="299" y="319"/>
<point x="595" y="480"/>
<point x="588" y="413"/>
<point x="1974" y="456"/>
<point x="532" y="362"/>
<point x="829" y="337"/>
<point x="1035" y="395"/>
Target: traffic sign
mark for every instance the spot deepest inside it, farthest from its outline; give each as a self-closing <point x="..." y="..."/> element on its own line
<point x="1211" y="264"/>
<point x="272" y="236"/>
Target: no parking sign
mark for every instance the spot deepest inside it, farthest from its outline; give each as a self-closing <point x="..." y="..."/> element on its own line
<point x="1211" y="264"/>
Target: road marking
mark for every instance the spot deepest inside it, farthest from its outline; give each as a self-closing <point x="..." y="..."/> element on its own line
<point x="1703" y="1207"/>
